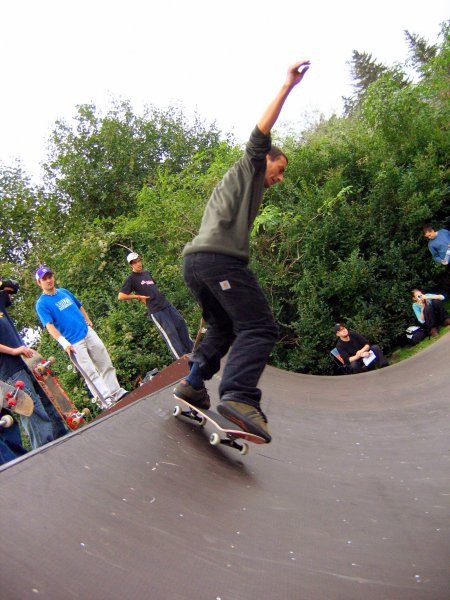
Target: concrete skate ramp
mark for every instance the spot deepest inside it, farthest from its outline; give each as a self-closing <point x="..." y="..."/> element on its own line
<point x="350" y="501"/>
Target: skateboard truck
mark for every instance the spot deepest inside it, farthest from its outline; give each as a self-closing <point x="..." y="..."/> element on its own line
<point x="42" y="368"/>
<point x="214" y="439"/>
<point x="190" y="414"/>
<point x="6" y="421"/>
<point x="76" y="418"/>
<point x="11" y="398"/>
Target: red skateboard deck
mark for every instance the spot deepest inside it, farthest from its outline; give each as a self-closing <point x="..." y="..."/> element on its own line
<point x="50" y="385"/>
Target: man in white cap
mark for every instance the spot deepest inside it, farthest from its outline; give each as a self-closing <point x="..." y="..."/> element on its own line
<point x="141" y="286"/>
<point x="66" y="320"/>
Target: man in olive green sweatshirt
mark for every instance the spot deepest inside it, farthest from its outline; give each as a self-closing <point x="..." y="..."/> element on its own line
<point x="216" y="271"/>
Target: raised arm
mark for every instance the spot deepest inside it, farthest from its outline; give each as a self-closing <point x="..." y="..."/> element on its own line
<point x="295" y="74"/>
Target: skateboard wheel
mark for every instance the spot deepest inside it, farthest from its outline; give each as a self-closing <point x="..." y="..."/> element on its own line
<point x="6" y="421"/>
<point x="243" y="449"/>
<point x="19" y="384"/>
<point x="202" y="421"/>
<point x="214" y="439"/>
<point x="176" y="411"/>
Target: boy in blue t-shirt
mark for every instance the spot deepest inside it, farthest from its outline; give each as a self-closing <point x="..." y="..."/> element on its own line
<point x="66" y="320"/>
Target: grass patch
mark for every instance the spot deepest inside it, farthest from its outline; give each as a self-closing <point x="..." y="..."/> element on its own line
<point x="405" y="352"/>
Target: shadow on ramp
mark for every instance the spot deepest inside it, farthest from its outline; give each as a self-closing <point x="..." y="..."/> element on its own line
<point x="349" y="501"/>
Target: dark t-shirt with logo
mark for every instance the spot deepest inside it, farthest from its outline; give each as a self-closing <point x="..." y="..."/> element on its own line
<point x="143" y="284"/>
<point x="350" y="348"/>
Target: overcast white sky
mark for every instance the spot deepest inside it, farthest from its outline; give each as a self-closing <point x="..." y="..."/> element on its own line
<point x="224" y="59"/>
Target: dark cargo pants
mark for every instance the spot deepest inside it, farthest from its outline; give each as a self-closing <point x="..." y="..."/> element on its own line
<point x="237" y="316"/>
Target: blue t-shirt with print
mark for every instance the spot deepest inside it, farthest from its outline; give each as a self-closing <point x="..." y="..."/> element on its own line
<point x="62" y="309"/>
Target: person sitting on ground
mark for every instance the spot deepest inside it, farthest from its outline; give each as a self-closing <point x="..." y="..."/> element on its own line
<point x="66" y="320"/>
<point x="356" y="350"/>
<point x="438" y="243"/>
<point x="430" y="311"/>
<point x="141" y="286"/>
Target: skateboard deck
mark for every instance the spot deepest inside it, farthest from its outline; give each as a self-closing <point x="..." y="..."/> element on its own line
<point x="14" y="399"/>
<point x="41" y="370"/>
<point x="227" y="432"/>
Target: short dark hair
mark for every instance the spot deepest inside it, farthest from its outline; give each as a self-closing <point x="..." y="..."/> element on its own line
<point x="428" y="227"/>
<point x="275" y="152"/>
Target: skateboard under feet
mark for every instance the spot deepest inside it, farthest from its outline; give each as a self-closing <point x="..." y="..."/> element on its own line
<point x="227" y="433"/>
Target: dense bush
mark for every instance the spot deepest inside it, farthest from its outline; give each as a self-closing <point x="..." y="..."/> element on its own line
<point x="340" y="239"/>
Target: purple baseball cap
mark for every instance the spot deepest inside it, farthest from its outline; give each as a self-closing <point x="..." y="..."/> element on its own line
<point x="41" y="271"/>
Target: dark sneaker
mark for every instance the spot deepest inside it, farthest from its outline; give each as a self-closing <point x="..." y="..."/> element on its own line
<point x="248" y="418"/>
<point x="185" y="391"/>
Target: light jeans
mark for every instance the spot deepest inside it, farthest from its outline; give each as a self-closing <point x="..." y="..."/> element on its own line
<point x="94" y="360"/>
<point x="38" y="426"/>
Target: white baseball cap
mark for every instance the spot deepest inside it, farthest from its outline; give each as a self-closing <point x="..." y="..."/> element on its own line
<point x="132" y="256"/>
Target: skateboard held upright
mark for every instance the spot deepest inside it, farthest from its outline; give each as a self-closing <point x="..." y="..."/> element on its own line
<point x="41" y="370"/>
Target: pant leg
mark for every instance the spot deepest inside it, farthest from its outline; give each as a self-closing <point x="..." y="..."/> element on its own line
<point x="248" y="318"/>
<point x="186" y="343"/>
<point x="357" y="366"/>
<point x="93" y="379"/>
<point x="429" y="318"/>
<point x="380" y="358"/>
<point x="439" y="312"/>
<point x="173" y="330"/>
<point x="103" y="364"/>
<point x="10" y="443"/>
<point x="219" y="333"/>
<point x="38" y="426"/>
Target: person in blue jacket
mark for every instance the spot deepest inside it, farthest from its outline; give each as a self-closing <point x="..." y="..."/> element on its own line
<point x="430" y="311"/>
<point x="438" y="243"/>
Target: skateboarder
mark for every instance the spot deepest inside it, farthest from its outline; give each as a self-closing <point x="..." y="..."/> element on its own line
<point x="215" y="270"/>
<point x="141" y="286"/>
<point x="44" y="425"/>
<point x="66" y="320"/>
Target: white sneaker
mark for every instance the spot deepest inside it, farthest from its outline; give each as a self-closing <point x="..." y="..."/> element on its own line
<point x="106" y="403"/>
